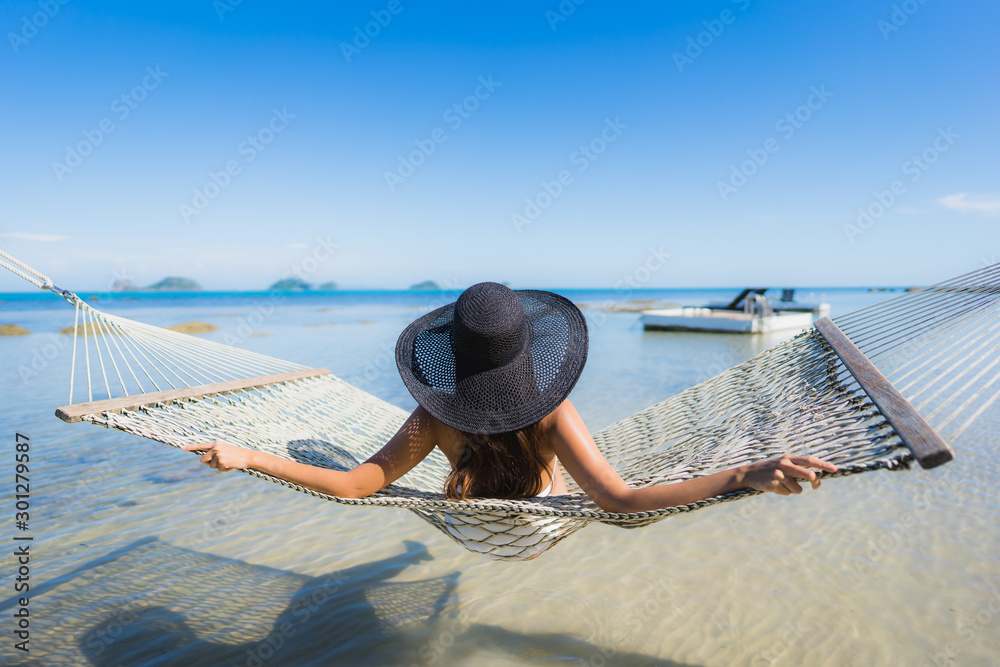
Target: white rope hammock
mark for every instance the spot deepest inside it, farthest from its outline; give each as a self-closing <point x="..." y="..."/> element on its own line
<point x="882" y="387"/>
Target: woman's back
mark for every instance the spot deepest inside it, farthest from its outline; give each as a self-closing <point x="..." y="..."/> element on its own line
<point x="455" y="445"/>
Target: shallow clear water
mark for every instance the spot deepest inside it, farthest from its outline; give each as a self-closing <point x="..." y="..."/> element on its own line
<point x="143" y="556"/>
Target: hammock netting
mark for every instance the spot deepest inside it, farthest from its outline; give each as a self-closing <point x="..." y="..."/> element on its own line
<point x="937" y="346"/>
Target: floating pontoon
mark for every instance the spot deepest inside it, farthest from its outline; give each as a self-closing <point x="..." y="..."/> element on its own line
<point x="750" y="312"/>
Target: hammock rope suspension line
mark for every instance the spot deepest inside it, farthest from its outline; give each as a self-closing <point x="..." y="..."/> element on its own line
<point x="884" y="386"/>
<point x="86" y="350"/>
<point x="72" y="368"/>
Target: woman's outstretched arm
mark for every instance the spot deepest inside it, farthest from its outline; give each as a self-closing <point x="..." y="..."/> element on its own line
<point x="409" y="446"/>
<point x="581" y="458"/>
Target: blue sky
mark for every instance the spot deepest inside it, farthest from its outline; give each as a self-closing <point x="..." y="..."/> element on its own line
<point x="546" y="144"/>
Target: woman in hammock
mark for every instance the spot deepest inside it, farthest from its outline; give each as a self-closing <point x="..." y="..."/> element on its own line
<point x="491" y="373"/>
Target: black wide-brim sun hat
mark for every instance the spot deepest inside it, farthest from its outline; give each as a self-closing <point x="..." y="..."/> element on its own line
<point x="496" y="360"/>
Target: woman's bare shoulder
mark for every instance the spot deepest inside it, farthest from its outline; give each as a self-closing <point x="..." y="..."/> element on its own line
<point x="448" y="439"/>
<point x="563" y="418"/>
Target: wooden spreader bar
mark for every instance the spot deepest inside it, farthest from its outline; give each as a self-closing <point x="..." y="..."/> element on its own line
<point x="76" y="412"/>
<point x="924" y="442"/>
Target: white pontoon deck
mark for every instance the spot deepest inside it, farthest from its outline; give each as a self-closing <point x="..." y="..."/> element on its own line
<point x="750" y="312"/>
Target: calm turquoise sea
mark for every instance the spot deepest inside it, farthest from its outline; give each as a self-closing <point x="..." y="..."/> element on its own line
<point x="142" y="556"/>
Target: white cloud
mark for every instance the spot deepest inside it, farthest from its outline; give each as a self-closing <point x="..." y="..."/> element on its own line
<point x="297" y="246"/>
<point x="985" y="204"/>
<point x="43" y="238"/>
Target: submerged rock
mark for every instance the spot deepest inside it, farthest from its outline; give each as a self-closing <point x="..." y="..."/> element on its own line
<point x="193" y="327"/>
<point x="91" y="329"/>
<point x="13" y="330"/>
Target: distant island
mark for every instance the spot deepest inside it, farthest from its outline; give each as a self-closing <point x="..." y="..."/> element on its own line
<point x="299" y="285"/>
<point x="175" y="284"/>
<point x="178" y="284"/>
<point x="290" y="285"/>
<point x="122" y="285"/>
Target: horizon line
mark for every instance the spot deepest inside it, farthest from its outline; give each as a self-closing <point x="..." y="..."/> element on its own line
<point x="147" y="292"/>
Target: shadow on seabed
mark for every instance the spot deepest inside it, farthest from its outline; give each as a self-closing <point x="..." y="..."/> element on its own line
<point x="153" y="603"/>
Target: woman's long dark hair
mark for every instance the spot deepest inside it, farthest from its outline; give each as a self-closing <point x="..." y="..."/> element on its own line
<point x="499" y="465"/>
